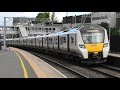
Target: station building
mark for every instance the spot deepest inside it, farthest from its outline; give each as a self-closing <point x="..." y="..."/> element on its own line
<point x="75" y="21"/>
<point x="112" y="18"/>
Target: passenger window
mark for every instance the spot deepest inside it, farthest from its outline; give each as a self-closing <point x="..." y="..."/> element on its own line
<point x="51" y="40"/>
<point x="61" y="40"/>
<point x="32" y="28"/>
<point x="72" y="40"/>
<point x="56" y="40"/>
<point x="64" y="39"/>
<point x="36" y="28"/>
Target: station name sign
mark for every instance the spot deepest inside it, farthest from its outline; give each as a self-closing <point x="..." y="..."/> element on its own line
<point x="98" y="18"/>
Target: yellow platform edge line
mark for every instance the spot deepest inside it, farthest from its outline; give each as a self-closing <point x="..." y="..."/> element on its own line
<point x="23" y="66"/>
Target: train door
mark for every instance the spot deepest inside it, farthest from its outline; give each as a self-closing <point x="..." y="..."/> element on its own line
<point x="53" y="42"/>
<point x="42" y="41"/>
<point x="63" y="43"/>
<point x="58" y="43"/>
<point x="47" y="43"/>
<point x="34" y="42"/>
<point x="72" y="42"/>
<point x="30" y="42"/>
<point x="68" y="48"/>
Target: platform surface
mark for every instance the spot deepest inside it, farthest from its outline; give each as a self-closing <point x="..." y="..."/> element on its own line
<point x="114" y="54"/>
<point x="17" y="63"/>
<point x="10" y="66"/>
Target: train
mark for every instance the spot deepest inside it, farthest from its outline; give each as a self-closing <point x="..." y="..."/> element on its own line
<point x="87" y="43"/>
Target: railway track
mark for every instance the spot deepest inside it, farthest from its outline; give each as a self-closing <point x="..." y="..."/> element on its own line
<point x="110" y="73"/>
<point x="81" y="71"/>
<point x="111" y="67"/>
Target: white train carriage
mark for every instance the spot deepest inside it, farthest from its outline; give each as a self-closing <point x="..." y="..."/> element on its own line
<point x="89" y="42"/>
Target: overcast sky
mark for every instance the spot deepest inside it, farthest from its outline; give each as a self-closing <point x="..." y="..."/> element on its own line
<point x="59" y="15"/>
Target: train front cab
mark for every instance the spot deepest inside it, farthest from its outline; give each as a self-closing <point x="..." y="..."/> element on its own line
<point x="95" y="45"/>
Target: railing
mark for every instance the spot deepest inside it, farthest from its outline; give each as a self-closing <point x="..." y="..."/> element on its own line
<point x="9" y="32"/>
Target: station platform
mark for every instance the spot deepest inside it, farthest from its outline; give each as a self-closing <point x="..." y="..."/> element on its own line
<point x="114" y="54"/>
<point x="17" y="63"/>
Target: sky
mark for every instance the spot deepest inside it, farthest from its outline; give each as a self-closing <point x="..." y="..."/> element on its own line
<point x="59" y="15"/>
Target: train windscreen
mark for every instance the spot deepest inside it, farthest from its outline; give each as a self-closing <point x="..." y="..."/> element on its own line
<point x="92" y="36"/>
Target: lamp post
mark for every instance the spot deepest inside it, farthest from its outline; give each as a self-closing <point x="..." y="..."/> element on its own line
<point x="4" y="33"/>
<point x="75" y="20"/>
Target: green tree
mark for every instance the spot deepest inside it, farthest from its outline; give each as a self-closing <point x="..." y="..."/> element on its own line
<point x="115" y="31"/>
<point x="53" y="18"/>
<point x="43" y="16"/>
<point x="46" y="15"/>
<point x="105" y="25"/>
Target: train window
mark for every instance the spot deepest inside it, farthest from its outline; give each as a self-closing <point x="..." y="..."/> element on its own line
<point x="48" y="40"/>
<point x="75" y="39"/>
<point x="26" y="28"/>
<point x="56" y="40"/>
<point x="61" y="41"/>
<point x="35" y="28"/>
<point x="32" y="28"/>
<point x="39" y="40"/>
<point x="72" y="40"/>
<point x="51" y="40"/>
<point x="31" y="41"/>
<point x="64" y="39"/>
<point x="45" y="40"/>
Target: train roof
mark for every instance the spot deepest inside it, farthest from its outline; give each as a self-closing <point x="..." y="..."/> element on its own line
<point x="71" y="30"/>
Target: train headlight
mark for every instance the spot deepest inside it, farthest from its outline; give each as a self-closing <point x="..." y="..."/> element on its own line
<point x="105" y="44"/>
<point x="82" y="46"/>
